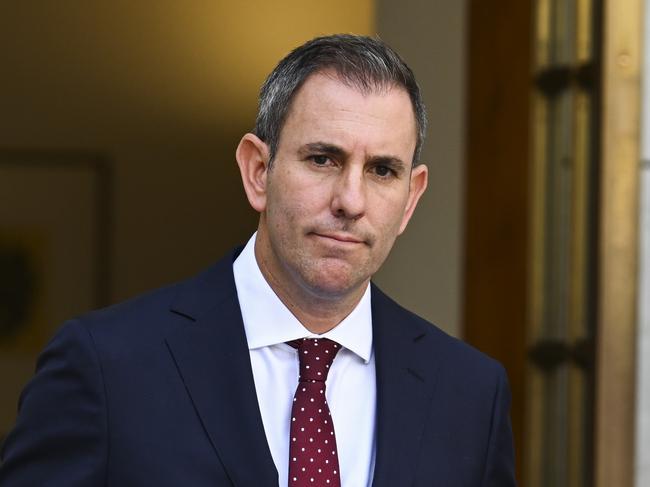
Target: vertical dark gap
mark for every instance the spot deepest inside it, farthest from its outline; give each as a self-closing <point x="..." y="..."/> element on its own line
<point x="497" y="195"/>
<point x="594" y="232"/>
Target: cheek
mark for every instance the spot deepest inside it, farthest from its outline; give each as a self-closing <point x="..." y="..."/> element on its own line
<point x="286" y="214"/>
<point x="389" y="213"/>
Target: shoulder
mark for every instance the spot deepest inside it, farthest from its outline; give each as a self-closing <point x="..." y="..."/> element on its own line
<point x="467" y="393"/>
<point x="148" y="317"/>
<point x="442" y="351"/>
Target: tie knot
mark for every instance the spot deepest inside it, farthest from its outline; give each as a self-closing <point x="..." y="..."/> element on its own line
<point x="316" y="356"/>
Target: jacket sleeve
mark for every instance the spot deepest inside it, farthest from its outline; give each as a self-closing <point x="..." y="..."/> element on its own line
<point x="60" y="434"/>
<point x="499" y="466"/>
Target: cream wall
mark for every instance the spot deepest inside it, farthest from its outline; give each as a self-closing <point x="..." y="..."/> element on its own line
<point x="425" y="269"/>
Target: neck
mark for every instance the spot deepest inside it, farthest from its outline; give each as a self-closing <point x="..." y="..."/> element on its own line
<point x="317" y="311"/>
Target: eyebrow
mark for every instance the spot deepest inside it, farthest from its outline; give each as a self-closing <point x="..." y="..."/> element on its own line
<point x="325" y="148"/>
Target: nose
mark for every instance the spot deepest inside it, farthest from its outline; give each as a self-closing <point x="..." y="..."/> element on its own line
<point x="349" y="194"/>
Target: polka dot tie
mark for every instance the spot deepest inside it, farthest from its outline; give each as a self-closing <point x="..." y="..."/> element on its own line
<point x="313" y="459"/>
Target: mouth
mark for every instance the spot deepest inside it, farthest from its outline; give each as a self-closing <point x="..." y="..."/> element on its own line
<point x="339" y="238"/>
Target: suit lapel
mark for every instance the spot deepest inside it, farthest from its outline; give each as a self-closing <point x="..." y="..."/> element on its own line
<point x="211" y="354"/>
<point x="405" y="389"/>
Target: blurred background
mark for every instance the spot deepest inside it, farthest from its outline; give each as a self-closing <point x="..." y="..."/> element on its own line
<point x="118" y="126"/>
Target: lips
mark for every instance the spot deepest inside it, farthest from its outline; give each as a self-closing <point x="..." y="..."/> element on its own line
<point x="340" y="237"/>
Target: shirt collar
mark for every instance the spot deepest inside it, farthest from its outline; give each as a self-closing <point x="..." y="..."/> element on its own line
<point x="267" y="321"/>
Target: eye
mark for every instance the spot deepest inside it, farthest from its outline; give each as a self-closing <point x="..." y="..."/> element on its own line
<point x="383" y="171"/>
<point x="319" y="159"/>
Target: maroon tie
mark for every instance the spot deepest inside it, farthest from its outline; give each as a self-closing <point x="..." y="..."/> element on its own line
<point x="313" y="459"/>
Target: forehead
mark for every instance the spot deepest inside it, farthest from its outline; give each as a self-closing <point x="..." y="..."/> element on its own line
<point x="327" y="106"/>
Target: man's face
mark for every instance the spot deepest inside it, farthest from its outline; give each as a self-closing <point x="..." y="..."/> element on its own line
<point x="341" y="188"/>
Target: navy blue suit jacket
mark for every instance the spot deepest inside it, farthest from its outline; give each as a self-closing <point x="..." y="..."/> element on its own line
<point x="159" y="391"/>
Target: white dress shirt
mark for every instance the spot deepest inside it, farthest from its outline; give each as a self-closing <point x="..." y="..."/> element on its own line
<point x="350" y="386"/>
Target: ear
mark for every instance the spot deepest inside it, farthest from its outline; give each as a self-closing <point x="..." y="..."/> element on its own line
<point x="417" y="185"/>
<point x="252" y="158"/>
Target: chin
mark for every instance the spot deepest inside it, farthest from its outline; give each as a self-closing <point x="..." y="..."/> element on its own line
<point x="335" y="282"/>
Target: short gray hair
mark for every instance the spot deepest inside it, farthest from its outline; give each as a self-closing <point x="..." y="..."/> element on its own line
<point x="364" y="63"/>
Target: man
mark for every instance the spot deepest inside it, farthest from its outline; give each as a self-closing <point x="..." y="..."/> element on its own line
<point x="281" y="364"/>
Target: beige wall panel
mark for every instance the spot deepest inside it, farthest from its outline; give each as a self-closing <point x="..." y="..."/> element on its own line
<point x="424" y="271"/>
